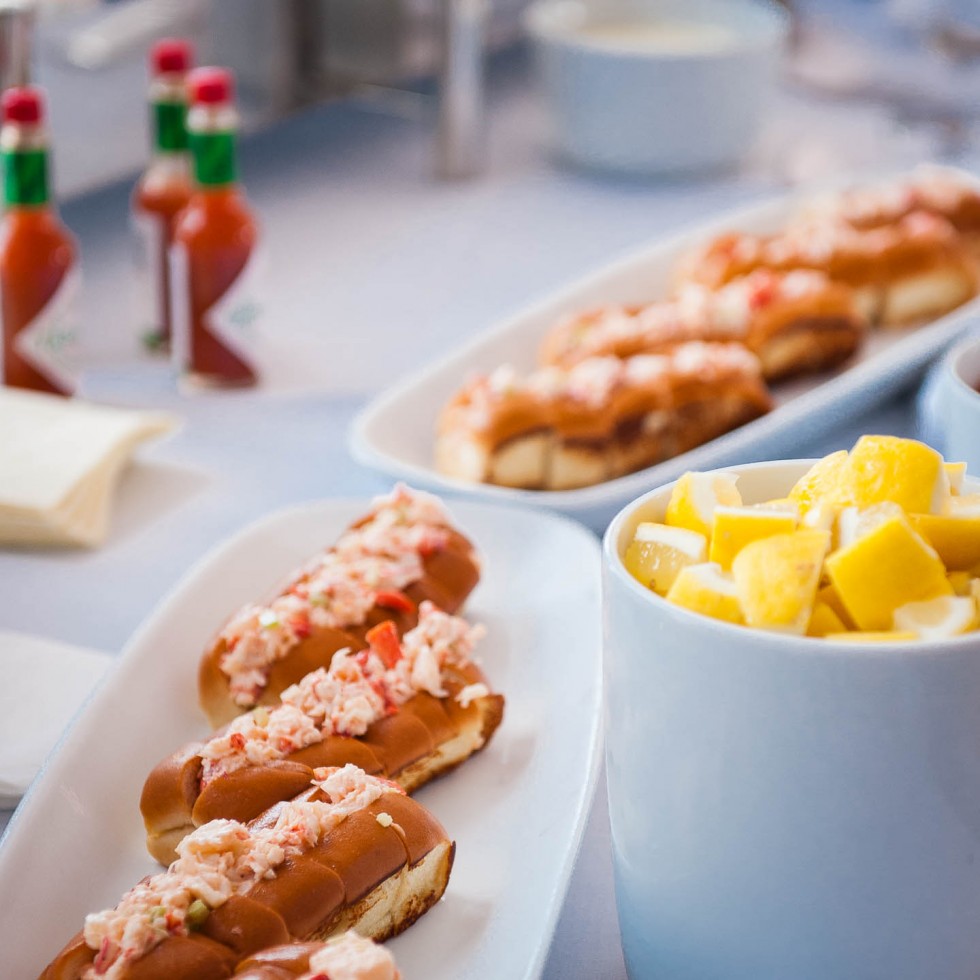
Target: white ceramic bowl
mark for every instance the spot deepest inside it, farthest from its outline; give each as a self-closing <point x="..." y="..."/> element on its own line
<point x="949" y="407"/>
<point x="620" y="104"/>
<point x="786" y="808"/>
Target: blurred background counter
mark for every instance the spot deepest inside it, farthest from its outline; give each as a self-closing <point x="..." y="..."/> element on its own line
<point x="350" y="134"/>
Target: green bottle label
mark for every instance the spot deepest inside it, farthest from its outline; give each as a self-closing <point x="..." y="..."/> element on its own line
<point x="25" y="176"/>
<point x="170" y="124"/>
<point x="214" y="158"/>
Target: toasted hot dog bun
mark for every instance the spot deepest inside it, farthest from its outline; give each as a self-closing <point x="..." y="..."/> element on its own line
<point x="936" y="190"/>
<point x="794" y="322"/>
<point x="405" y="751"/>
<point x="375" y="865"/>
<point x="558" y="429"/>
<point x="245" y="768"/>
<point x="402" y="553"/>
<point x="910" y="270"/>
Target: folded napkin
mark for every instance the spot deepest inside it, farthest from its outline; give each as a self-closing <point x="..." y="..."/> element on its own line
<point x="44" y="684"/>
<point x="60" y="460"/>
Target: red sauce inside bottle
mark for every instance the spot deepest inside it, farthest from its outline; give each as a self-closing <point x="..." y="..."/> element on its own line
<point x="36" y="251"/>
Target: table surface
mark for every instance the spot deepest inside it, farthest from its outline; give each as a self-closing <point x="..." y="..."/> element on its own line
<point x="376" y="269"/>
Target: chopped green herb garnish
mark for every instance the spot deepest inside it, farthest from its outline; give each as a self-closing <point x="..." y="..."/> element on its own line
<point x="197" y="914"/>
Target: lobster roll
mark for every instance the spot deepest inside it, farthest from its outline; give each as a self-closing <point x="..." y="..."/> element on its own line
<point x="558" y="429"/>
<point x="942" y="191"/>
<point x="916" y="268"/>
<point x="402" y="553"/>
<point x="795" y="323"/>
<point x="407" y="709"/>
<point x="350" y="851"/>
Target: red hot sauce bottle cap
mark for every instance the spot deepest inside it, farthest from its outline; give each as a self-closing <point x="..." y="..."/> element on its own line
<point x="171" y="55"/>
<point x="210" y="86"/>
<point x="23" y="105"/>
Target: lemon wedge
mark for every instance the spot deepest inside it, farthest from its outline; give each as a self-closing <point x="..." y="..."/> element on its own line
<point x="956" y="538"/>
<point x="828" y="594"/>
<point x="657" y="553"/>
<point x="961" y="582"/>
<point x="781" y="505"/>
<point x="820" y="517"/>
<point x="939" y="618"/>
<point x="826" y="480"/>
<point x="964" y="505"/>
<point x="854" y="523"/>
<point x="824" y="620"/>
<point x="735" y="527"/>
<point x="903" y="471"/>
<point x="694" y="498"/>
<point x="777" y="577"/>
<point x="882" y="565"/>
<point x="955" y="473"/>
<point x="708" y="590"/>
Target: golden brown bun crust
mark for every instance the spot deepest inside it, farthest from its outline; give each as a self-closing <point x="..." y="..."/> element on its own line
<point x="238" y="797"/>
<point x="339" y="750"/>
<point x="568" y="441"/>
<point x="790" y="336"/>
<point x="380" y="878"/>
<point x="245" y="925"/>
<point x="278" y="962"/>
<point x="880" y="256"/>
<point x="425" y="739"/>
<point x="450" y="575"/>
<point x="170" y="791"/>
<point x="193" y="957"/>
<point x="70" y="962"/>
<point x="184" y="956"/>
<point x="817" y="344"/>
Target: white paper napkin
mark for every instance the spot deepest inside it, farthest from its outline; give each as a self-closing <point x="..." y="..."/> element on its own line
<point x="60" y="461"/>
<point x="44" y="684"/>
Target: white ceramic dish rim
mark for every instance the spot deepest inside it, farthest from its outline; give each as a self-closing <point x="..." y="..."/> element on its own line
<point x="758" y="25"/>
<point x="956" y="356"/>
<point x="594" y="738"/>
<point x="799" y="646"/>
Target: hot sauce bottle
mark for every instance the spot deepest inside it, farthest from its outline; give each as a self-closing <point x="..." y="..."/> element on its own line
<point x="213" y="259"/>
<point x="165" y="187"/>
<point x="39" y="274"/>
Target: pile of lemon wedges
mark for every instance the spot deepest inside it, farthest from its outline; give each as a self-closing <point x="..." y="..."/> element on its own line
<point x="877" y="544"/>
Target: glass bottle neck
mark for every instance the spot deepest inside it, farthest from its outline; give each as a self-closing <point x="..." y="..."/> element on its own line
<point x="168" y="102"/>
<point x="214" y="159"/>
<point x="213" y="132"/>
<point x="24" y="150"/>
<point x="170" y="127"/>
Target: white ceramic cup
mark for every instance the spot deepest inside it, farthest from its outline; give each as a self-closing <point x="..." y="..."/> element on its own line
<point x="786" y="808"/>
<point x="949" y="407"/>
<point x="619" y="106"/>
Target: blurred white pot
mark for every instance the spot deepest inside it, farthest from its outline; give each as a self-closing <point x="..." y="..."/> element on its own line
<point x="657" y="86"/>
